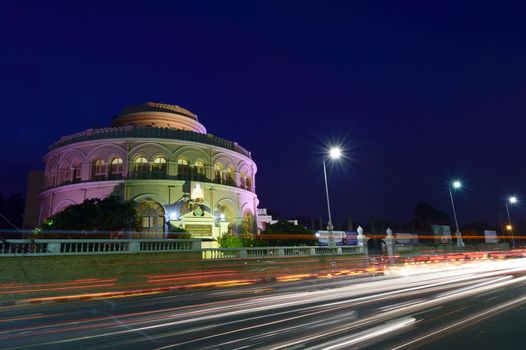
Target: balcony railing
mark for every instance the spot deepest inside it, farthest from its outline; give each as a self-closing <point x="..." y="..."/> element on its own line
<point x="155" y="176"/>
<point x="150" y="132"/>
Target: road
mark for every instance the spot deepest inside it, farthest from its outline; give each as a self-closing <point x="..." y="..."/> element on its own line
<point x="429" y="306"/>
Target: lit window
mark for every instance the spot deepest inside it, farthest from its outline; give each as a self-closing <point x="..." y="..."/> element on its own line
<point x="141" y="168"/>
<point x="76" y="171"/>
<point x="116" y="168"/>
<point x="159" y="167"/>
<point x="229" y="176"/>
<point x="218" y="171"/>
<point x="242" y="182"/>
<point x="64" y="174"/>
<point x="199" y="170"/>
<point x="183" y="169"/>
<point x="99" y="169"/>
<point x="248" y="182"/>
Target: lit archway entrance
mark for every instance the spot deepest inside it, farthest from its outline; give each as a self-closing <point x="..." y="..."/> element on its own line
<point x="248" y="222"/>
<point x="150" y="215"/>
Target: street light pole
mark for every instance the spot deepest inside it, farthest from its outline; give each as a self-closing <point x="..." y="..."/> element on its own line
<point x="329" y="226"/>
<point x="512" y="200"/>
<point x="456" y="185"/>
<point x="334" y="153"/>
<point x="454" y="211"/>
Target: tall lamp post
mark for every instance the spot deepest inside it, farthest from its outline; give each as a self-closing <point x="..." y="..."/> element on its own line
<point x="456" y="185"/>
<point x="511" y="200"/>
<point x="334" y="153"/>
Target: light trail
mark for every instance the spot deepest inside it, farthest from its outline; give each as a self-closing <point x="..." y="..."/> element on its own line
<point x="346" y="313"/>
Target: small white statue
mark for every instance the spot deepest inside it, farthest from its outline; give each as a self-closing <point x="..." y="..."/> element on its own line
<point x="389" y="232"/>
<point x="360" y="231"/>
<point x="197" y="193"/>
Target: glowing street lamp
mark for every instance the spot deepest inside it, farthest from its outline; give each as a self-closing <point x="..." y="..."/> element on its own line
<point x="509" y="227"/>
<point x="456" y="186"/>
<point x="334" y="154"/>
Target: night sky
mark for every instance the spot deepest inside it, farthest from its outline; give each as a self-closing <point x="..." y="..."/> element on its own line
<point x="415" y="93"/>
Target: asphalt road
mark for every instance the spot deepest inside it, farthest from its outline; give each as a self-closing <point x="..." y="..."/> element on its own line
<point x="433" y="306"/>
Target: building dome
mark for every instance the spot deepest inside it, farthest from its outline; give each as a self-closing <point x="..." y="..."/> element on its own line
<point x="160" y="115"/>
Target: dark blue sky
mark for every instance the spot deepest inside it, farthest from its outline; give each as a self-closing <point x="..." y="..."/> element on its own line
<point x="417" y="93"/>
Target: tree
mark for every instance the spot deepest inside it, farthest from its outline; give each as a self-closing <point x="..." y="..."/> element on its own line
<point x="287" y="234"/>
<point x="11" y="211"/>
<point x="427" y="215"/>
<point x="108" y="214"/>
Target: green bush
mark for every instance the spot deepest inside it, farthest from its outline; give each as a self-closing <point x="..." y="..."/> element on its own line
<point x="230" y="241"/>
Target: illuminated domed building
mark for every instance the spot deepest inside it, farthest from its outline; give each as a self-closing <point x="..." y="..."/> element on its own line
<point x="161" y="157"/>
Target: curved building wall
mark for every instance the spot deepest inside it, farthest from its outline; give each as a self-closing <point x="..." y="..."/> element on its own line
<point x="139" y="160"/>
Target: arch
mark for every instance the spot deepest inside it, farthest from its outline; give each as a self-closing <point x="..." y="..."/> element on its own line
<point x="63" y="205"/>
<point x="192" y="153"/>
<point x="74" y="153"/>
<point x="50" y="172"/>
<point x="96" y="156"/>
<point x="151" y="217"/>
<point x="151" y="196"/>
<point x="51" y="165"/>
<point x="229" y="203"/>
<point x="244" y="166"/>
<point x="106" y="150"/>
<point x="149" y="150"/>
<point x="223" y="158"/>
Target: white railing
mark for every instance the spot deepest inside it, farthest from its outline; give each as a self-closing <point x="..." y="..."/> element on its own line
<point x="269" y="252"/>
<point x="39" y="247"/>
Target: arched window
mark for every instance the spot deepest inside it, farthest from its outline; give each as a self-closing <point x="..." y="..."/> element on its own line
<point x="150" y="216"/>
<point x="141" y="168"/>
<point x="183" y="169"/>
<point x="242" y="182"/>
<point x="229" y="176"/>
<point x="50" y="174"/>
<point x="248" y="182"/>
<point x="159" y="168"/>
<point x="218" y="173"/>
<point x="98" y="171"/>
<point x="116" y="168"/>
<point x="76" y="168"/>
<point x="247" y="225"/>
<point x="199" y="171"/>
<point x="64" y="174"/>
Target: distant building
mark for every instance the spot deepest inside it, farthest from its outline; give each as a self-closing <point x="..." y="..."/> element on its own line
<point x="161" y="157"/>
<point x="264" y="219"/>
<point x="35" y="183"/>
<point x="341" y="238"/>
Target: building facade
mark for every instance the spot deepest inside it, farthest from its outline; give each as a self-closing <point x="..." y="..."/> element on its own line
<point x="161" y="157"/>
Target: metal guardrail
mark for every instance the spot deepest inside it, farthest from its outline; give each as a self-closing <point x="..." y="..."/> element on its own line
<point x="53" y="247"/>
